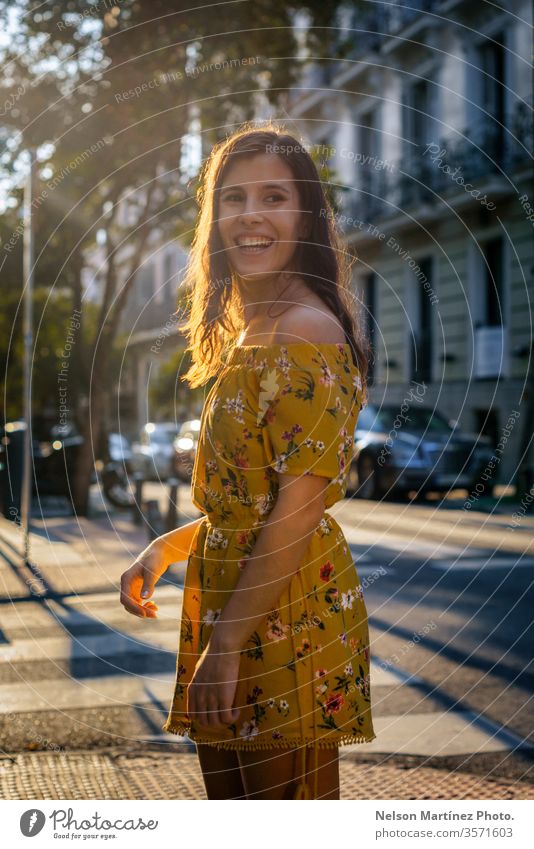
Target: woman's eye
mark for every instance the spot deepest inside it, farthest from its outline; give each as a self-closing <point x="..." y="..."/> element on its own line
<point x="236" y="197"/>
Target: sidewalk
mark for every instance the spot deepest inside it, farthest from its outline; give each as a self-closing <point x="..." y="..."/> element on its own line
<point x="152" y="773"/>
<point x="100" y="684"/>
<point x="73" y="554"/>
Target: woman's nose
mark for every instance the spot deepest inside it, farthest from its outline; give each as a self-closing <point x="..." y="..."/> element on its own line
<point x="251" y="208"/>
<point x="249" y="212"/>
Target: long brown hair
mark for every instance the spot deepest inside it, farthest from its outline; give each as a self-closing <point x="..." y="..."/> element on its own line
<point x="215" y="311"/>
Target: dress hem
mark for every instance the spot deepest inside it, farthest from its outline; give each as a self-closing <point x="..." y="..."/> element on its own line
<point x="286" y="743"/>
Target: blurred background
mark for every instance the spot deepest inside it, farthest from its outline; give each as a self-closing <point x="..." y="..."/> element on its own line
<point x="420" y="119"/>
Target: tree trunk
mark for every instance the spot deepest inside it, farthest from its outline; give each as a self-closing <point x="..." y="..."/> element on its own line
<point x="91" y="429"/>
<point x="79" y="354"/>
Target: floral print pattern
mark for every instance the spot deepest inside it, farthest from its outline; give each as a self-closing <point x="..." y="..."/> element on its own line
<point x="304" y="673"/>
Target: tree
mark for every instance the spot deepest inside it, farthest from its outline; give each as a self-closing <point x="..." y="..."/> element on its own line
<point x="111" y="96"/>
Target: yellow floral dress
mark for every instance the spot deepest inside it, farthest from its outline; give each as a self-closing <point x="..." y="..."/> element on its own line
<point x="304" y="672"/>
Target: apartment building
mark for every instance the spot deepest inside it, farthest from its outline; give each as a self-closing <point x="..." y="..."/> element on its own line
<point x="148" y="325"/>
<point x="429" y="124"/>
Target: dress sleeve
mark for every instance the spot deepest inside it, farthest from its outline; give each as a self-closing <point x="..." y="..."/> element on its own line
<point x="309" y="403"/>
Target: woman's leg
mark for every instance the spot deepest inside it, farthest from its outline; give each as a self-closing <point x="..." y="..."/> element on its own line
<point x="275" y="773"/>
<point x="221" y="772"/>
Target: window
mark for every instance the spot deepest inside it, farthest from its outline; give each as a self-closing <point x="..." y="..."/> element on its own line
<point x="369" y="141"/>
<point x="370" y="177"/>
<point x="492" y="95"/>
<point x="492" y="306"/>
<point x="418" y="114"/>
<point x="489" y="309"/>
<point x="421" y="109"/>
<point x="420" y="128"/>
<point x="165" y="290"/>
<point x="421" y="341"/>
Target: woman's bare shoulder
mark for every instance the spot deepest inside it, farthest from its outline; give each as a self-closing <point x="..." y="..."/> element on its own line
<point x="309" y="323"/>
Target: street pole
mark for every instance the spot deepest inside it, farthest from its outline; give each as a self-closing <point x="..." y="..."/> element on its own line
<point x="28" y="275"/>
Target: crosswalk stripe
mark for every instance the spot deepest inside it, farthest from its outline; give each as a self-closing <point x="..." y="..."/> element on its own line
<point x="485" y="563"/>
<point x="439" y="733"/>
<point x="73" y="648"/>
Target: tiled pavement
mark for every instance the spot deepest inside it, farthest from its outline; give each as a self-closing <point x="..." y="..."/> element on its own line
<point x="137" y="774"/>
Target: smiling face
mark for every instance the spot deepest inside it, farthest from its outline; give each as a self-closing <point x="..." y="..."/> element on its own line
<point x="260" y="219"/>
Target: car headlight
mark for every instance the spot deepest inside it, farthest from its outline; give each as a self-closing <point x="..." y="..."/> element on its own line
<point x="185" y="443"/>
<point x="46" y="449"/>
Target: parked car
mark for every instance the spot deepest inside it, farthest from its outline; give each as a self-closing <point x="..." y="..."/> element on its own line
<point x="55" y="456"/>
<point x="185" y="449"/>
<point x="422" y="451"/>
<point x="55" y="451"/>
<point x="153" y="454"/>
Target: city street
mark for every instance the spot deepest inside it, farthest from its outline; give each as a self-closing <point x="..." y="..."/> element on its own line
<point x="446" y="592"/>
<point x="237" y="248"/>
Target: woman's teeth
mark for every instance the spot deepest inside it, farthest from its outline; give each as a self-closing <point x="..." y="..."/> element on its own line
<point x="254" y="246"/>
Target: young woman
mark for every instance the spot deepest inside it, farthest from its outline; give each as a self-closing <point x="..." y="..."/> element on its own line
<point x="273" y="660"/>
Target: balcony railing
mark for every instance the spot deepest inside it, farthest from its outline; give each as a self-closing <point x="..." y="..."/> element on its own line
<point x="400" y="15"/>
<point x="486" y="151"/>
<point x="377" y="22"/>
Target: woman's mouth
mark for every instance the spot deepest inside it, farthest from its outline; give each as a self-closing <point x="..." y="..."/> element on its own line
<point x="253" y="245"/>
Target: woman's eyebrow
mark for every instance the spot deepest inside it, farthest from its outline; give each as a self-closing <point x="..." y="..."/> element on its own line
<point x="277" y="186"/>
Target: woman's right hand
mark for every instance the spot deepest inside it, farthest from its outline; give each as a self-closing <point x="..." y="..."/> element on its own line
<point x="138" y="582"/>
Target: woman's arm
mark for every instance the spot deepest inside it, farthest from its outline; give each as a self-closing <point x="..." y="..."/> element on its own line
<point x="176" y="544"/>
<point x="138" y="582"/>
<point x="276" y="557"/>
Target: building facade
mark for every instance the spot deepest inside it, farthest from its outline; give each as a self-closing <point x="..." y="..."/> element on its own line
<point x="149" y="329"/>
<point x="428" y="124"/>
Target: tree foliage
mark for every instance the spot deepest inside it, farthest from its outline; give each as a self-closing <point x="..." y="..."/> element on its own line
<point x="113" y="96"/>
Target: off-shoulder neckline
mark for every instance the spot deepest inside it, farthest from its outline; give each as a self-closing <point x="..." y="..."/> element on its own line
<point x="292" y="345"/>
<point x="239" y="354"/>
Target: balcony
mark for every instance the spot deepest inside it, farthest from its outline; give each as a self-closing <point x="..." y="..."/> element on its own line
<point x="401" y="16"/>
<point x="373" y="24"/>
<point x="482" y="158"/>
